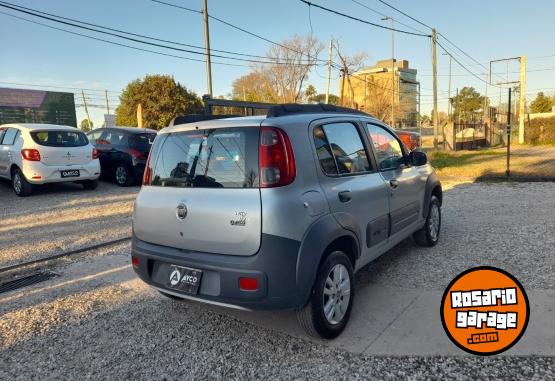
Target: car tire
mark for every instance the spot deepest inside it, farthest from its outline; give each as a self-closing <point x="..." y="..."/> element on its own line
<point x="90" y="184"/>
<point x="20" y="185"/>
<point x="428" y="236"/>
<point x="122" y="175"/>
<point x="334" y="287"/>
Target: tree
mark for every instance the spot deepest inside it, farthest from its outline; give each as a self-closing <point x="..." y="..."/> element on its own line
<point x="310" y="92"/>
<point x="321" y="98"/>
<point x="284" y="81"/>
<point x="296" y="57"/>
<point x="86" y="126"/>
<point x="425" y="120"/>
<point x="541" y="103"/>
<point x="468" y="104"/>
<point x="254" y="87"/>
<point x="161" y="99"/>
<point x="349" y="64"/>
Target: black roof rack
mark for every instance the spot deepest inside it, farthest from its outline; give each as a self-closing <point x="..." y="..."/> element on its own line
<point x="192" y="118"/>
<point x="295" y="108"/>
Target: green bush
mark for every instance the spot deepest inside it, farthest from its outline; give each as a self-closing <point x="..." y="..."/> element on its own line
<point x="540" y="131"/>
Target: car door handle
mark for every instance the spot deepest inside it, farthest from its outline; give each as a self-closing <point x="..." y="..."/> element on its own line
<point x="344" y="196"/>
<point x="393" y="184"/>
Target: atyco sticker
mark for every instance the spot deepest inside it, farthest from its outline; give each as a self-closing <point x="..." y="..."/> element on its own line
<point x="485" y="310"/>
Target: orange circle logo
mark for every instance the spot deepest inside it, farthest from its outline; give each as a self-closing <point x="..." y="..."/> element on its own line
<point x="485" y="310"/>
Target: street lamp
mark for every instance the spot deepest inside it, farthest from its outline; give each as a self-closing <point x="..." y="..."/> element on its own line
<point x="392" y="68"/>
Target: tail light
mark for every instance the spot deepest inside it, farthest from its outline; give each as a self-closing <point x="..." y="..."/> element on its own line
<point x="95" y="154"/>
<point x="146" y="173"/>
<point x="136" y="154"/>
<point x="30" y="154"/>
<point x="248" y="284"/>
<point x="277" y="164"/>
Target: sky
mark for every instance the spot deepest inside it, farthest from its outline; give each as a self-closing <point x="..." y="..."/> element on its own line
<point x="486" y="30"/>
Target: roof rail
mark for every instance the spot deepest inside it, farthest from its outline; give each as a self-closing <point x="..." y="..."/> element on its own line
<point x="295" y="108"/>
<point x="192" y="118"/>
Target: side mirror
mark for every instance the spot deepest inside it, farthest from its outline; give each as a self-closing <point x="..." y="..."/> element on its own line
<point x="418" y="158"/>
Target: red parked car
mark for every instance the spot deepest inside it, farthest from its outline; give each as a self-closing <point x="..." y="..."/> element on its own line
<point x="411" y="139"/>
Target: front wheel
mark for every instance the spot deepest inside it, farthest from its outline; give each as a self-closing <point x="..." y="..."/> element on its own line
<point x="429" y="234"/>
<point x="20" y="185"/>
<point x="328" y="311"/>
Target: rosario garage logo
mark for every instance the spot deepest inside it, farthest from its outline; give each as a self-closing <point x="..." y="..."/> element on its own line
<point x="485" y="310"/>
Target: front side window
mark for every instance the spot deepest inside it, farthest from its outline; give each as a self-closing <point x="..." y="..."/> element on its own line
<point x="388" y="149"/>
<point x="217" y="158"/>
<point x="9" y="136"/>
<point x="60" y="138"/>
<point x="340" y="149"/>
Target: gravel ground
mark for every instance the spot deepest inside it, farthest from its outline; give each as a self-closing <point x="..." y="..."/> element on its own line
<point x="61" y="217"/>
<point x="506" y="225"/>
<point x="103" y="323"/>
<point x="117" y="328"/>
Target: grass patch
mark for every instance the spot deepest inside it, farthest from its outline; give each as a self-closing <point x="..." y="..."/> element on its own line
<point x="442" y="160"/>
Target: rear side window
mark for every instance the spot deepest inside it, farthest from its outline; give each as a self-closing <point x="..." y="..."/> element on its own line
<point x="60" y="138"/>
<point x="340" y="149"/>
<point x="141" y="140"/>
<point x="9" y="136"/>
<point x="218" y="158"/>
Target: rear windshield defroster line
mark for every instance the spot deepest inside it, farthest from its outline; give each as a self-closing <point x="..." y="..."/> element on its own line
<point x="66" y="139"/>
<point x="216" y="158"/>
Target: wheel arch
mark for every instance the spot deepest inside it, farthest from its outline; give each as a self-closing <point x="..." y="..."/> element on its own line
<point x="314" y="249"/>
<point x="433" y="188"/>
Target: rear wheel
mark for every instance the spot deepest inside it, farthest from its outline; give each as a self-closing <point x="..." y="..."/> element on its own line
<point x="90" y="184"/>
<point x="123" y="175"/>
<point x="429" y="234"/>
<point x="20" y="185"/>
<point x="328" y="311"/>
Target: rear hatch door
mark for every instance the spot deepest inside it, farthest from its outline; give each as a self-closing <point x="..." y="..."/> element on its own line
<point x="63" y="147"/>
<point x="204" y="193"/>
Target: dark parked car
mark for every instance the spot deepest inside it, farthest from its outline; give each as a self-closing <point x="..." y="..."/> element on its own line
<point x="123" y="152"/>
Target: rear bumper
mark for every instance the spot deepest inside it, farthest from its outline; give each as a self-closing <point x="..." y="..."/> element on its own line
<point x="274" y="266"/>
<point x="38" y="173"/>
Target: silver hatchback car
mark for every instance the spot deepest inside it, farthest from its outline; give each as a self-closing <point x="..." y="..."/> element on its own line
<point x="279" y="211"/>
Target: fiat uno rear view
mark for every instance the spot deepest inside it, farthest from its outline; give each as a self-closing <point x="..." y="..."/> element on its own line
<point x="279" y="211"/>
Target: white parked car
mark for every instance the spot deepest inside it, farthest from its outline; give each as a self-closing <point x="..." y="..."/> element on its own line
<point x="32" y="154"/>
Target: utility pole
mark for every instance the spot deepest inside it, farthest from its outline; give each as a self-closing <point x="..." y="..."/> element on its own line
<point x="207" y="47"/>
<point x="392" y="69"/>
<point x="86" y="108"/>
<point x="508" y="171"/>
<point x="107" y="104"/>
<point x="434" y="68"/>
<point x="522" y="105"/>
<point x="329" y="72"/>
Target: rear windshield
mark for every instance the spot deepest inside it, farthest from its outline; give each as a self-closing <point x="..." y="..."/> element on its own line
<point x="218" y="158"/>
<point x="60" y="138"/>
<point x="141" y="140"/>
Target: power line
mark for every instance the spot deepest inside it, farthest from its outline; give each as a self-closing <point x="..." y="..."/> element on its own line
<point x="135" y="34"/>
<point x="316" y="59"/>
<point x="405" y="14"/>
<point x="363" y="21"/>
<point x="34" y="13"/>
<point x="384" y="15"/>
<point x="464" y="67"/>
<point x="57" y="87"/>
<point x="117" y="43"/>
